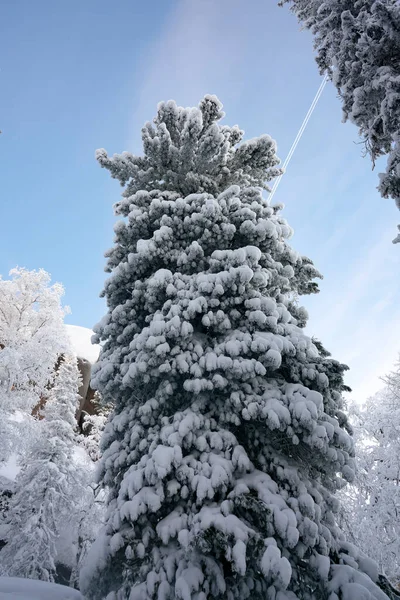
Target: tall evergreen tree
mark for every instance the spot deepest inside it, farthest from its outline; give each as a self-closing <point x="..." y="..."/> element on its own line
<point x="228" y="438"/>
<point x="358" y="45"/>
<point x="45" y="489"/>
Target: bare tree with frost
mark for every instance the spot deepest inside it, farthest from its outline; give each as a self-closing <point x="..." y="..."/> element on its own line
<point x="32" y="336"/>
<point x="358" y="45"/>
<point x="228" y="438"/>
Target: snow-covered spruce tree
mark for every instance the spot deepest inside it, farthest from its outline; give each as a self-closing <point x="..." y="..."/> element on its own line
<point x="46" y="488"/>
<point x="358" y="45"/>
<point x="227" y="441"/>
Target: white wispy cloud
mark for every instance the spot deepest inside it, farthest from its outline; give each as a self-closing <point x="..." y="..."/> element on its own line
<point x="197" y="53"/>
<point x="358" y="318"/>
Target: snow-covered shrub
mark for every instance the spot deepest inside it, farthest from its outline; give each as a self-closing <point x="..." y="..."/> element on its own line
<point x="91" y="519"/>
<point x="92" y="428"/>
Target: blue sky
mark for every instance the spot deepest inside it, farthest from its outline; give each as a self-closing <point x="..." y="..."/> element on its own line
<point x="79" y="75"/>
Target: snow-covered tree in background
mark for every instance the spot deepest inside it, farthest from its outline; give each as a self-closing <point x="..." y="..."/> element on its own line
<point x="358" y="45"/>
<point x="372" y="504"/>
<point x="47" y="488"/>
<point x="32" y="336"/>
<point x="228" y="438"/>
<point x="90" y="521"/>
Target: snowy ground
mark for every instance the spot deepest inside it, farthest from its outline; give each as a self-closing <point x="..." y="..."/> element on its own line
<point x="14" y="588"/>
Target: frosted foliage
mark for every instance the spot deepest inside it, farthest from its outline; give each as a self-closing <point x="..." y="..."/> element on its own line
<point x="187" y="151"/>
<point x="228" y="440"/>
<point x="358" y="44"/>
<point x="45" y="489"/>
<point x="92" y="427"/>
<point x="32" y="335"/>
<point x="63" y="401"/>
<point x="371" y="505"/>
<point x="92" y="504"/>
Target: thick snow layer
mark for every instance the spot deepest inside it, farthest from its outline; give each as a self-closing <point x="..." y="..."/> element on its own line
<point x="14" y="588"/>
<point x="10" y="468"/>
<point x="80" y="338"/>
